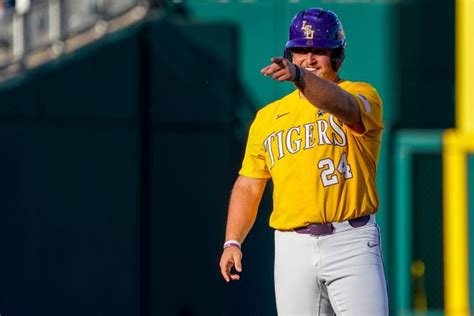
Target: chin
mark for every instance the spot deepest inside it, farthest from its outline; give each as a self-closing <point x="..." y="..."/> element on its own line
<point x="320" y="75"/>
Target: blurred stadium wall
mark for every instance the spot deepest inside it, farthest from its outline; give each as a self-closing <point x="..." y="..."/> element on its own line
<point x="119" y="158"/>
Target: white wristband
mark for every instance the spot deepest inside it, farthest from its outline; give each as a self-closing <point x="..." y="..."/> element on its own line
<point x="232" y="243"/>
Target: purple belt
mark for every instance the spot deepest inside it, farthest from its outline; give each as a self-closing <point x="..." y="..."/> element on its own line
<point x="328" y="228"/>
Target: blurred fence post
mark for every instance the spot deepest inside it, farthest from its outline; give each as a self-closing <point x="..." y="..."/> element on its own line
<point x="407" y="144"/>
<point x="55" y="19"/>
<point x="18" y="36"/>
<point x="457" y="145"/>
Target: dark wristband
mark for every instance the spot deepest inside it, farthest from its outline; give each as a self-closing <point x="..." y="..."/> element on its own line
<point x="298" y="74"/>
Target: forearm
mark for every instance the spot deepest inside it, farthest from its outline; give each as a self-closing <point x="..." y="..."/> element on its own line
<point x="329" y="97"/>
<point x="243" y="207"/>
<point x="322" y="93"/>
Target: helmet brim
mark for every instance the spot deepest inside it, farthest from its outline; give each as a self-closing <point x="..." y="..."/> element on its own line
<point x="315" y="42"/>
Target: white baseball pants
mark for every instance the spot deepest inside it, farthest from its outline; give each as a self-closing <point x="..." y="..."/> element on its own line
<point x="339" y="274"/>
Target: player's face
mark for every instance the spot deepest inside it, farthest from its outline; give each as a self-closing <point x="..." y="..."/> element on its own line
<point x="315" y="60"/>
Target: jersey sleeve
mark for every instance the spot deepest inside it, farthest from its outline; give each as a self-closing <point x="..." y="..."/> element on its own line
<point x="370" y="105"/>
<point x="254" y="164"/>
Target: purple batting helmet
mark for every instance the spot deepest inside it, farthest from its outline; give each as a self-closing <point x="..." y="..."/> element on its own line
<point x="318" y="28"/>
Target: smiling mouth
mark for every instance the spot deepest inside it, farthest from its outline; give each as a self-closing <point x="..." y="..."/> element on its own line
<point x="310" y="68"/>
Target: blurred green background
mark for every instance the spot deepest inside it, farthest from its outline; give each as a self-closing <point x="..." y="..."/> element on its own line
<point x="118" y="159"/>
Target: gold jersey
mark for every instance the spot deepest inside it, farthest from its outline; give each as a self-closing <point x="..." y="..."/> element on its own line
<point x="322" y="170"/>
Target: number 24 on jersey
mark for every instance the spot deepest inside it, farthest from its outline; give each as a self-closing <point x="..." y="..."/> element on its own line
<point x="328" y="174"/>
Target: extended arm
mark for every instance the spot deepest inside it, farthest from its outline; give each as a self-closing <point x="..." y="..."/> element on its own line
<point x="324" y="94"/>
<point x="243" y="207"/>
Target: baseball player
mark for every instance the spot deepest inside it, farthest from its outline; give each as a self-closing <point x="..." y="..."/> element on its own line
<point x="320" y="147"/>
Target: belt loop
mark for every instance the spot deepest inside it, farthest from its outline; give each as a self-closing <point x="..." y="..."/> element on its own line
<point x="359" y="221"/>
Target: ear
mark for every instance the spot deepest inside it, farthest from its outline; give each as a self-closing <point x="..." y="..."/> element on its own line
<point x="334" y="62"/>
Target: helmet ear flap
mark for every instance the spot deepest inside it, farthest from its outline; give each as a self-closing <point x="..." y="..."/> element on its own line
<point x="337" y="57"/>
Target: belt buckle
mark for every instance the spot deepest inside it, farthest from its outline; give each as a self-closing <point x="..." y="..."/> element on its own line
<point x="320" y="229"/>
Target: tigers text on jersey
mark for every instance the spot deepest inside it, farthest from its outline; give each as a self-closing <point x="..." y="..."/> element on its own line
<point x="322" y="171"/>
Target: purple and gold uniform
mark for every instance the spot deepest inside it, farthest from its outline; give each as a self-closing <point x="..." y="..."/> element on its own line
<point x="322" y="171"/>
<point x="320" y="147"/>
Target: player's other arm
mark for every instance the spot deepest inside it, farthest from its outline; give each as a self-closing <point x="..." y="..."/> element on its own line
<point x="327" y="95"/>
<point x="243" y="207"/>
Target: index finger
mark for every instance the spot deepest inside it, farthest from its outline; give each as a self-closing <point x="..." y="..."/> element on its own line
<point x="225" y="270"/>
<point x="277" y="60"/>
<point x="237" y="263"/>
<point x="277" y="64"/>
